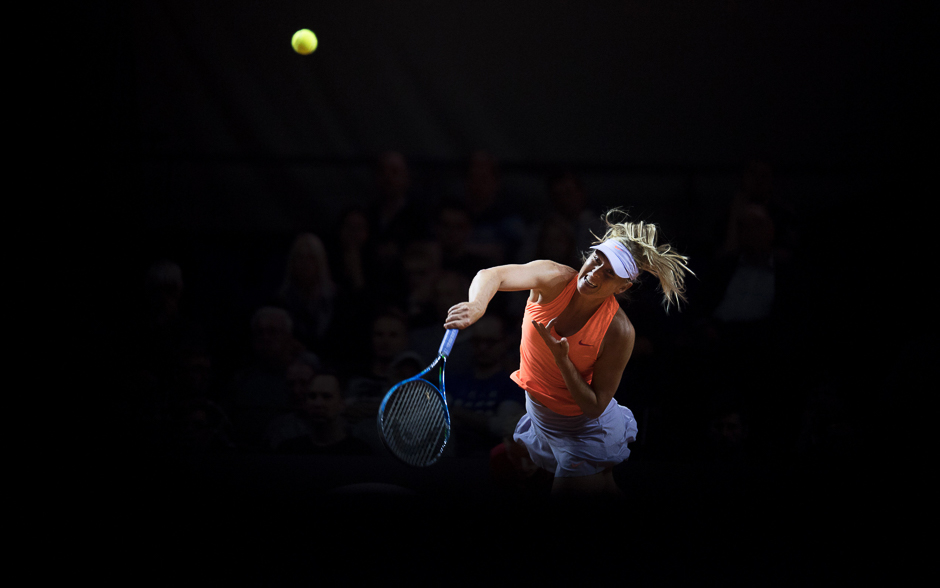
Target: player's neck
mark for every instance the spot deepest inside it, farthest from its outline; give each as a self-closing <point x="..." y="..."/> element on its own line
<point x="580" y="305"/>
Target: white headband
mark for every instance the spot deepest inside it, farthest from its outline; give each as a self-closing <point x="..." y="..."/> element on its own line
<point x="620" y="259"/>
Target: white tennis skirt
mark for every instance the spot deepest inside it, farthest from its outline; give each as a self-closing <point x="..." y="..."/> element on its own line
<point x="573" y="446"/>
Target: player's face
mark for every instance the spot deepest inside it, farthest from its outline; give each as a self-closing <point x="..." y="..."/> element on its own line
<point x="597" y="278"/>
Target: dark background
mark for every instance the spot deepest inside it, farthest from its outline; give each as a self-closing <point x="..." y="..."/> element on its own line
<point x="211" y="136"/>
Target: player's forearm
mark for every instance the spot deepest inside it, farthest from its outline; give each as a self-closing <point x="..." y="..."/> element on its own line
<point x="484" y="286"/>
<point x="585" y="396"/>
<point x="482" y="289"/>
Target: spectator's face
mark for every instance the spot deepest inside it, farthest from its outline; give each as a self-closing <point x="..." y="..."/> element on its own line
<point x="355" y="230"/>
<point x="394" y="176"/>
<point x="270" y="338"/>
<point x="324" y="401"/>
<point x="305" y="264"/>
<point x="728" y="430"/>
<point x="756" y="231"/>
<point x="299" y="377"/>
<point x="453" y="228"/>
<point x="389" y="337"/>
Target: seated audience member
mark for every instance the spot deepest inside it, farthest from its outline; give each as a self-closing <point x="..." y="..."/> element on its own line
<point x="260" y="388"/>
<point x="370" y="378"/>
<point x="422" y="268"/>
<point x="568" y="200"/>
<point x="727" y="432"/>
<point x="292" y="424"/>
<point x="308" y="292"/>
<point x="454" y="231"/>
<point x="757" y="188"/>
<point x="328" y="431"/>
<point x="396" y="217"/>
<point x="199" y="425"/>
<point x="449" y="289"/>
<point x="166" y="326"/>
<point x="484" y="403"/>
<point x="498" y="229"/>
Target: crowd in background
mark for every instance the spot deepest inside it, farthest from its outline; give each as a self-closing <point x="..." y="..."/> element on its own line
<point x="287" y="346"/>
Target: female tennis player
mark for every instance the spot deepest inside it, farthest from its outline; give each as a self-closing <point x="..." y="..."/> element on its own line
<point x="576" y="342"/>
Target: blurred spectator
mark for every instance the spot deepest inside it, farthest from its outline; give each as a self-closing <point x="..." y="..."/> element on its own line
<point x="747" y="323"/>
<point x="485" y="404"/>
<point x="750" y="292"/>
<point x="374" y="373"/>
<point x="308" y="292"/>
<point x="453" y="230"/>
<point x="352" y="252"/>
<point x="448" y="289"/>
<point x="748" y="296"/>
<point x="757" y="188"/>
<point x="162" y="335"/>
<point x="555" y="240"/>
<point x="422" y="268"/>
<point x="327" y="432"/>
<point x="198" y="425"/>
<point x="362" y="414"/>
<point x="395" y="216"/>
<point x="164" y="287"/>
<point x="260" y="388"/>
<point x="354" y="264"/>
<point x="727" y="433"/>
<point x="568" y="200"/>
<point x="292" y="424"/>
<point x="166" y="328"/>
<point x="498" y="230"/>
<point x="194" y="376"/>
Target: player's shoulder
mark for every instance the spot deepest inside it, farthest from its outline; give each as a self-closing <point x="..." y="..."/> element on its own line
<point x="553" y="270"/>
<point x="620" y="326"/>
<point x="553" y="278"/>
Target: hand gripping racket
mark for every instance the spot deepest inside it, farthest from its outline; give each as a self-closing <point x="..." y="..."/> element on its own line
<point x="414" y="422"/>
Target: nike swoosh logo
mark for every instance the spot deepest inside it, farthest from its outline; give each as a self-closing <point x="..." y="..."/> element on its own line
<point x="585" y="344"/>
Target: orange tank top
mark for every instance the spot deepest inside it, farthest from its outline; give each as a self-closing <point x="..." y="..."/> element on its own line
<point x="537" y="371"/>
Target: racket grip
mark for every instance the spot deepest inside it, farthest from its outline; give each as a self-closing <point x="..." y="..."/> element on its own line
<point x="448" y="343"/>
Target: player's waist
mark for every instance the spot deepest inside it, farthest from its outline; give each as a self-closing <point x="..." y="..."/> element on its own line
<point x="555" y="398"/>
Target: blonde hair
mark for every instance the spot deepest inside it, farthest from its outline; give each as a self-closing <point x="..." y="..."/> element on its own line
<point x="306" y="249"/>
<point x="641" y="239"/>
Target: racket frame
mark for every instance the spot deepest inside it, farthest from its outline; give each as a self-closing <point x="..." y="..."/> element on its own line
<point x="440" y="360"/>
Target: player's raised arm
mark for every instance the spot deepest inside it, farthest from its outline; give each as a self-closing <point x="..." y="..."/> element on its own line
<point x="542" y="277"/>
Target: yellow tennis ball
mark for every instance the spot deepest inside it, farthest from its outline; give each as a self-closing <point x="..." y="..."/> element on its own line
<point x="304" y="42"/>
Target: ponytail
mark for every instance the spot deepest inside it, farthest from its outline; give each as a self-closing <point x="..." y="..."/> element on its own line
<point x="668" y="265"/>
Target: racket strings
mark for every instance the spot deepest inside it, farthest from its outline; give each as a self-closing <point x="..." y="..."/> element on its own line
<point x="415" y="423"/>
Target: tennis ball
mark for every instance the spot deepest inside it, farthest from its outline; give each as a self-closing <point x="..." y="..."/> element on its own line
<point x="304" y="42"/>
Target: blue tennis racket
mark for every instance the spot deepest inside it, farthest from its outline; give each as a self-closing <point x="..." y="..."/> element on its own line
<point x="414" y="423"/>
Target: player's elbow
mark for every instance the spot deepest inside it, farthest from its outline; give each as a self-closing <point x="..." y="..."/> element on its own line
<point x="593" y="412"/>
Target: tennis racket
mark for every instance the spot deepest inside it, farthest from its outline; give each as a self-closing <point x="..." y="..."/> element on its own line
<point x="414" y="423"/>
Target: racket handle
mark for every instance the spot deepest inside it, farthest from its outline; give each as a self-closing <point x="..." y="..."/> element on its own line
<point x="448" y="343"/>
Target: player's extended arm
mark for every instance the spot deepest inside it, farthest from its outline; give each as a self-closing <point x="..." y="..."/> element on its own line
<point x="617" y="347"/>
<point x="535" y="275"/>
